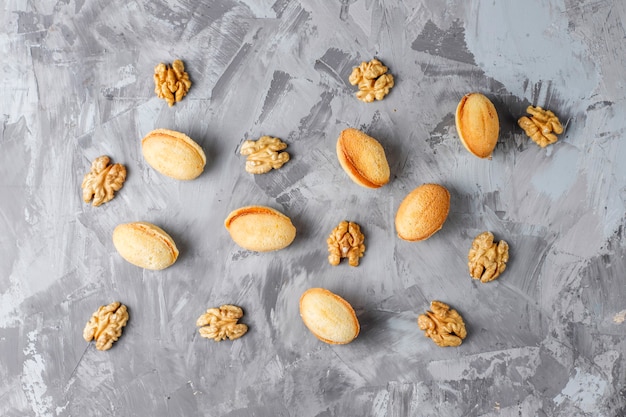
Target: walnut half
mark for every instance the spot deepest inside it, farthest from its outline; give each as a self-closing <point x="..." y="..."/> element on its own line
<point x="171" y="83"/>
<point x="221" y="323"/>
<point x="263" y="154"/>
<point x="346" y="241"/>
<point x="487" y="259"/>
<point x="101" y="182"/>
<point x="443" y="325"/>
<point x="540" y="126"/>
<point x="372" y="79"/>
<point x="105" y="325"/>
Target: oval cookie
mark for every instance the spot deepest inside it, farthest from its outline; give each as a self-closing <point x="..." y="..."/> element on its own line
<point x="363" y="158"/>
<point x="173" y="154"/>
<point x="328" y="316"/>
<point x="477" y="124"/>
<point x="422" y="212"/>
<point x="260" y="228"/>
<point x="145" y="245"/>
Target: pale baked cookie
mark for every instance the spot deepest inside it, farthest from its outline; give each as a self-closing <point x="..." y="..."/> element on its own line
<point x="173" y="154"/>
<point x="363" y="158"/>
<point x="328" y="316"/>
<point x="260" y="228"/>
<point x="145" y="245"/>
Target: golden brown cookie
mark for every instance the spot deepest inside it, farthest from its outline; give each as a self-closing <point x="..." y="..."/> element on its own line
<point x="363" y="158"/>
<point x="422" y="212"/>
<point x="477" y="124"/>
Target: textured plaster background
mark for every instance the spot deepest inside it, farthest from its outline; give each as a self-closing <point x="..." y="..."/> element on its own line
<point x="546" y="339"/>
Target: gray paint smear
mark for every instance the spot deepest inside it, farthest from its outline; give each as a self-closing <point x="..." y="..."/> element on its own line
<point x="544" y="339"/>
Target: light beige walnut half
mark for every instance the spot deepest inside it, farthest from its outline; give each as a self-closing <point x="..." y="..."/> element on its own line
<point x="542" y="126"/>
<point x="221" y="323"/>
<point x="443" y="325"/>
<point x="372" y="79"/>
<point x="171" y="83"/>
<point x="105" y="325"/>
<point x="102" y="181"/>
<point x="346" y="241"/>
<point x="487" y="259"/>
<point x="264" y="154"/>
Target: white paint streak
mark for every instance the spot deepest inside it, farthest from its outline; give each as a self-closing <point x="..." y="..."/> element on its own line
<point x="379" y="405"/>
<point x="584" y="390"/>
<point x="9" y="300"/>
<point x="33" y="382"/>
<point x="472" y="367"/>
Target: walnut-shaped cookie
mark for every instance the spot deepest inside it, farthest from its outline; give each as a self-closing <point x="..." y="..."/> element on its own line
<point x="221" y="323"/>
<point x="105" y="325"/>
<point x="443" y="325"/>
<point x="346" y="241"/>
<point x="102" y="181"/>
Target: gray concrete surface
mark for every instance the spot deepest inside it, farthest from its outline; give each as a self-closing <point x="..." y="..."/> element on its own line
<point x="546" y="339"/>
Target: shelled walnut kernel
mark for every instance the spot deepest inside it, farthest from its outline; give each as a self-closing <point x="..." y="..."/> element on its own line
<point x="540" y="126"/>
<point x="346" y="241"/>
<point x="171" y="83"/>
<point x="372" y="79"/>
<point x="264" y="154"/>
<point x="443" y="325"/>
<point x="102" y="181"/>
<point x="221" y="323"/>
<point x="105" y="325"/>
<point x="487" y="259"/>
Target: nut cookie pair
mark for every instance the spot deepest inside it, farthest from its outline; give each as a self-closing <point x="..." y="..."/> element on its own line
<point x="478" y="126"/>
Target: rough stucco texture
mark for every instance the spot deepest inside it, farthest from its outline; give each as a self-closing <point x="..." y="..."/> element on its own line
<point x="545" y="339"/>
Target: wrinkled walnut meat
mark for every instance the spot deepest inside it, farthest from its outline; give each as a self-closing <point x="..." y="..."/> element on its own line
<point x="264" y="154"/>
<point x="102" y="181"/>
<point x="171" y="83"/>
<point x="487" y="259"/>
<point x="372" y="79"/>
<point x="221" y="323"/>
<point x="346" y="241"/>
<point x="443" y="324"/>
<point x="540" y="126"/>
<point x="105" y="325"/>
